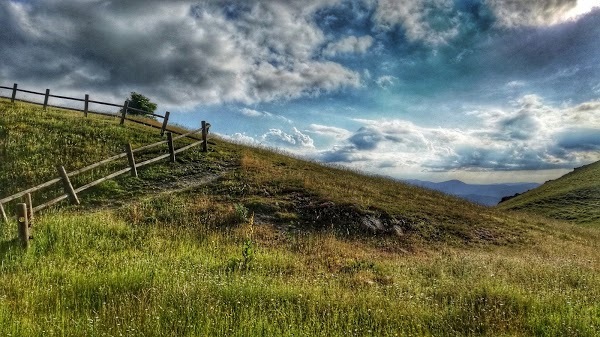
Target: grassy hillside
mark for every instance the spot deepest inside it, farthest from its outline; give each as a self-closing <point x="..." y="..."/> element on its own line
<point x="278" y="188"/>
<point x="573" y="197"/>
<point x="247" y="242"/>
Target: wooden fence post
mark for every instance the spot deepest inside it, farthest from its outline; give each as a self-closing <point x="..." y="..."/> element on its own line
<point x="46" y="99"/>
<point x="29" y="203"/>
<point x="131" y="161"/>
<point x="68" y="187"/>
<point x="171" y="147"/>
<point x="165" y="121"/>
<point x="86" y="104"/>
<point x="204" y="140"/>
<point x="14" y="93"/>
<point x="125" y="107"/>
<point x="4" y="217"/>
<point x="23" y="224"/>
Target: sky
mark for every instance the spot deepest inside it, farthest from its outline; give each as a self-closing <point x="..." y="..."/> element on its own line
<point x="478" y="90"/>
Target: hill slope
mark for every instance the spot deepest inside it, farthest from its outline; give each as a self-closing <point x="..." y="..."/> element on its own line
<point x="573" y="197"/>
<point x="247" y="242"/>
<point x="277" y="188"/>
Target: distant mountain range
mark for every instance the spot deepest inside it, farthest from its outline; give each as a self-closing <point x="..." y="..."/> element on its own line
<point x="488" y="195"/>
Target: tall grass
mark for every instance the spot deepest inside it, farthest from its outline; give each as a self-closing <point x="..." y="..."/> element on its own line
<point x="163" y="266"/>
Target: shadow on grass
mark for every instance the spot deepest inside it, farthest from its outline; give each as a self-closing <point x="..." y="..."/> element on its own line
<point x="6" y="246"/>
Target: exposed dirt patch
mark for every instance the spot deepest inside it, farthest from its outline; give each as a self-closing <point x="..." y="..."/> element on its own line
<point x="298" y="212"/>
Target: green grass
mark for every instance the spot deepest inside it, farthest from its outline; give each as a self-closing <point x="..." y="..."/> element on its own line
<point x="111" y="273"/>
<point x="574" y="197"/>
<point x="247" y="242"/>
<point x="33" y="142"/>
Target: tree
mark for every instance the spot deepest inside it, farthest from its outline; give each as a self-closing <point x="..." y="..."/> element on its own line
<point x="139" y="101"/>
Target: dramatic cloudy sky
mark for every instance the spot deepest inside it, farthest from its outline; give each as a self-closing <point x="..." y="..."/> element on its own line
<point x="480" y="90"/>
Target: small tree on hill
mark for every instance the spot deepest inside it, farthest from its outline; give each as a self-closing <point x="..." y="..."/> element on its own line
<point x="139" y="101"/>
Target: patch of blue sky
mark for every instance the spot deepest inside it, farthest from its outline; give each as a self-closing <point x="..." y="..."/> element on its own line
<point x="344" y="19"/>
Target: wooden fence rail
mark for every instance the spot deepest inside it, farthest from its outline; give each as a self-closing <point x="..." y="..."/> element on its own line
<point x="125" y="108"/>
<point x="72" y="193"/>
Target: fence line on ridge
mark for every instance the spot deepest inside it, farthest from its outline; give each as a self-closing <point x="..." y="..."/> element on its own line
<point x="124" y="108"/>
<point x="25" y="211"/>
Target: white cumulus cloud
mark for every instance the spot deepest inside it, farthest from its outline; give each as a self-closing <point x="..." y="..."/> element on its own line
<point x="296" y="139"/>
<point x="417" y="18"/>
<point x="262" y="114"/>
<point x="531" y="12"/>
<point x="531" y="135"/>
<point x="351" y="44"/>
<point x="386" y="81"/>
<point x="329" y="131"/>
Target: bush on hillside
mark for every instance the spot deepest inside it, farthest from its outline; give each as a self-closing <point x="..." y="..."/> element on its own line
<point x="139" y="101"/>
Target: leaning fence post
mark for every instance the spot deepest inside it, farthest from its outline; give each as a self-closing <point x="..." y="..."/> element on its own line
<point x="23" y="224"/>
<point x="4" y="217"/>
<point x="46" y="99"/>
<point x="171" y="147"/>
<point x="14" y="93"/>
<point x="68" y="187"/>
<point x="131" y="161"/>
<point x="86" y="104"/>
<point x="165" y="121"/>
<point x="125" y="107"/>
<point x="204" y="134"/>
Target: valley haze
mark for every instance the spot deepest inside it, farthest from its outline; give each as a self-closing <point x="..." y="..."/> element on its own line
<point x="488" y="195"/>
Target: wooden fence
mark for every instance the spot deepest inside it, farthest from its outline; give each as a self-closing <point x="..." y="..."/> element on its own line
<point x="124" y="108"/>
<point x="25" y="211"/>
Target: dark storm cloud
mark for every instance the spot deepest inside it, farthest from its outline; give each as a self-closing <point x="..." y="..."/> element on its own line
<point x="562" y="56"/>
<point x="523" y="126"/>
<point x="179" y="51"/>
<point x="497" y="159"/>
<point x="579" y="140"/>
<point x="366" y="138"/>
<point x="187" y="52"/>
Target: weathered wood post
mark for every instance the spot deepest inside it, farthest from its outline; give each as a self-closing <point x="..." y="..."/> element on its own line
<point x="86" y="105"/>
<point x="14" y="93"/>
<point x="171" y="147"/>
<point x="125" y="107"/>
<point x="46" y="99"/>
<point x="3" y="213"/>
<point x="131" y="160"/>
<point x="68" y="187"/>
<point x="165" y="121"/>
<point x="23" y="224"/>
<point x="204" y="134"/>
<point x="29" y="203"/>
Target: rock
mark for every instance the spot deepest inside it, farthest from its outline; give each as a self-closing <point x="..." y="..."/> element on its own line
<point x="373" y="223"/>
<point x="398" y="230"/>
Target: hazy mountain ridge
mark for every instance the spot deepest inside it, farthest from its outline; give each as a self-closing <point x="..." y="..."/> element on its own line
<point x="484" y="194"/>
